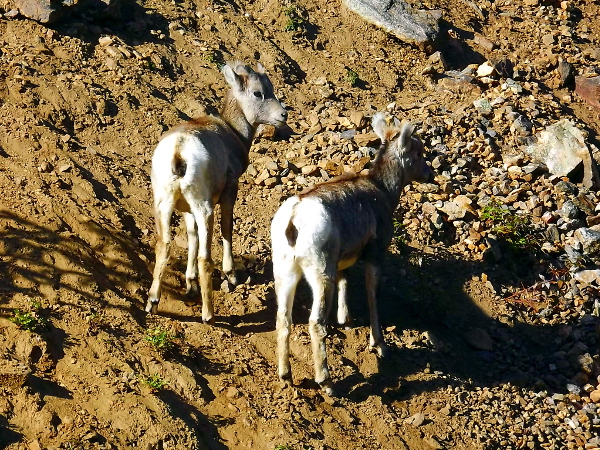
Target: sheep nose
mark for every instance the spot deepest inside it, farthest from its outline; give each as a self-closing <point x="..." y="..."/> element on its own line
<point x="284" y="114"/>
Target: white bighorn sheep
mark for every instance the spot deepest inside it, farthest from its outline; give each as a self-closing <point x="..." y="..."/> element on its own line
<point x="326" y="229"/>
<point x="197" y="165"/>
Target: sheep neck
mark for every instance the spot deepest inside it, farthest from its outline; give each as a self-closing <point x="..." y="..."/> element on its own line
<point x="233" y="115"/>
<point x="388" y="174"/>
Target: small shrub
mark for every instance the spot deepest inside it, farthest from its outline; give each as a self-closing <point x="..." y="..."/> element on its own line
<point x="295" y="21"/>
<point x="352" y="77"/>
<point x="161" y="339"/>
<point x="513" y="228"/>
<point x="96" y="321"/>
<point x="30" y="320"/>
<point x="155" y="382"/>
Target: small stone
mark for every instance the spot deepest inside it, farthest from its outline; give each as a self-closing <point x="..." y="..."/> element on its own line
<point x="485" y="69"/>
<point x="483" y="106"/>
<point x="484" y="42"/>
<point x="566" y="72"/>
<point x="521" y="125"/>
<point x="588" y="89"/>
<point x="433" y="443"/>
<point x="416" y="420"/>
<point x="595" y="396"/>
<point x="590" y="240"/>
<point x="105" y="40"/>
<point x="569" y="210"/>
<point x="548" y="39"/>
<point x="479" y="339"/>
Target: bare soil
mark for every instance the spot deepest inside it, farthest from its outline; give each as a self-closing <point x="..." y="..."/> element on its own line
<point x="77" y="130"/>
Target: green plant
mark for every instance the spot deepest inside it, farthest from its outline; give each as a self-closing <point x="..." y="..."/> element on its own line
<point x="161" y="339"/>
<point x="295" y="21"/>
<point x="155" y="382"/>
<point x="96" y="320"/>
<point x="30" y="320"/>
<point x="513" y="228"/>
<point x="400" y="233"/>
<point x="352" y="77"/>
<point x="215" y="57"/>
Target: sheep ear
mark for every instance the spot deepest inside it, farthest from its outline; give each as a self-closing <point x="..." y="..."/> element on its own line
<point x="260" y="68"/>
<point x="396" y="122"/>
<point x="379" y="125"/>
<point x="233" y="79"/>
<point x="406" y="133"/>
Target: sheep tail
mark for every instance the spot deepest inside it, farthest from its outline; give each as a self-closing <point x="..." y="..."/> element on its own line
<point x="178" y="165"/>
<point x="291" y="232"/>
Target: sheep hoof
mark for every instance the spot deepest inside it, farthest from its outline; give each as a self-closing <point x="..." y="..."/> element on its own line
<point x="286" y="378"/>
<point x="193" y="291"/>
<point x="209" y="320"/>
<point x="232" y="278"/>
<point x="327" y="387"/>
<point x="346" y="324"/>
<point x="382" y="350"/>
<point x="152" y="306"/>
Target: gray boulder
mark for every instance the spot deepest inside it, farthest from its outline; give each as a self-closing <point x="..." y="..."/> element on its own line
<point x="400" y="19"/>
<point x="51" y="11"/>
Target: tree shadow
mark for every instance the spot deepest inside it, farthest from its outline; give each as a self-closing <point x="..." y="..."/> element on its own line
<point x="46" y="388"/>
<point x="129" y="21"/>
<point x="205" y="429"/>
<point x="36" y="260"/>
<point x="7" y="435"/>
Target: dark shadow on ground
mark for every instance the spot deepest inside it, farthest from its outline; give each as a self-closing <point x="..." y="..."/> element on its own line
<point x="431" y="297"/>
<point x="47" y="388"/>
<point x="7" y="435"/>
<point x="426" y="293"/>
<point x="206" y="429"/>
<point x="127" y="20"/>
<point x="33" y="257"/>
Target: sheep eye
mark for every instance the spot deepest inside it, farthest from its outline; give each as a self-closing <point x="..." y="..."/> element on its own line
<point x="258" y="94"/>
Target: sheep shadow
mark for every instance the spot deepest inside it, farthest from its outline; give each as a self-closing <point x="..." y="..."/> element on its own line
<point x="432" y="298"/>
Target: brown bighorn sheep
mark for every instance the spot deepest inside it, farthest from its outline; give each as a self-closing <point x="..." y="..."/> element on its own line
<point x="326" y="229"/>
<point x="197" y="165"/>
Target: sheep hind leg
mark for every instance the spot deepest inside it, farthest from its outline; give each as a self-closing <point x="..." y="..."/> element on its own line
<point x="203" y="213"/>
<point x="322" y="285"/>
<point x="191" y="274"/>
<point x="164" y="211"/>
<point x="285" y="289"/>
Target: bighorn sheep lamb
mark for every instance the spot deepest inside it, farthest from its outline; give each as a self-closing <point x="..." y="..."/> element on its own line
<point x="197" y="165"/>
<point x="325" y="230"/>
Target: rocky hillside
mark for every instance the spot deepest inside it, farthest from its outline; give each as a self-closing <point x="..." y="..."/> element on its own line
<point x="490" y="297"/>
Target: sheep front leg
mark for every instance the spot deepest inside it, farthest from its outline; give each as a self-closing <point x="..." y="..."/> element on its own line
<point x="163" y="213"/>
<point x="191" y="274"/>
<point x="343" y="316"/>
<point x="322" y="288"/>
<point x="205" y="220"/>
<point x="376" y="339"/>
<point x="227" y="202"/>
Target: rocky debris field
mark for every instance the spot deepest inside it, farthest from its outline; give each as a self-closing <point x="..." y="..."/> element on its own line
<point x="490" y="298"/>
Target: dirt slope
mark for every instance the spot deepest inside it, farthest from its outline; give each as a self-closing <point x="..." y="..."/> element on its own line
<point x="83" y="104"/>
